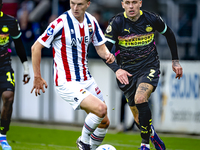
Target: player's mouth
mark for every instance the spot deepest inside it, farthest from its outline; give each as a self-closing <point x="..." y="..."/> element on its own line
<point x="131" y="12"/>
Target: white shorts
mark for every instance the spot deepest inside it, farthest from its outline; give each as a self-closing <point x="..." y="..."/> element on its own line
<point x="74" y="92"/>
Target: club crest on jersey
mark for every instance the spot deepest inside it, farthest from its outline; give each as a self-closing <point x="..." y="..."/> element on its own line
<point x="5" y="29"/>
<point x="109" y="29"/>
<point x="49" y="31"/>
<point x="90" y="27"/>
<point x="149" y="28"/>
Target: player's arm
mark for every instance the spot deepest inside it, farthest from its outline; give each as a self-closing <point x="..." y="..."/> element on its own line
<point x="121" y="75"/>
<point x="112" y="36"/>
<point x="104" y="53"/>
<point x="20" y="50"/>
<point x="39" y="82"/>
<point x="171" y="40"/>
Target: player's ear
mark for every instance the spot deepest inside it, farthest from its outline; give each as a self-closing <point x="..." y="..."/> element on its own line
<point x="140" y="3"/>
<point x="122" y="4"/>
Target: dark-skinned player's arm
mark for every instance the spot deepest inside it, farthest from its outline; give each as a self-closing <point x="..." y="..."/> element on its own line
<point x="20" y="50"/>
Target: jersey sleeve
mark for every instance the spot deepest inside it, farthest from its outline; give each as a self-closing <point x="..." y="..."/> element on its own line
<point x="112" y="31"/>
<point x="51" y="32"/>
<point x="160" y="25"/>
<point x="15" y="32"/>
<point x="98" y="37"/>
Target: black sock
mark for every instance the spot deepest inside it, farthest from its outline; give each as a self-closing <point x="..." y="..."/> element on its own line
<point x="145" y="121"/>
<point x="4" y="126"/>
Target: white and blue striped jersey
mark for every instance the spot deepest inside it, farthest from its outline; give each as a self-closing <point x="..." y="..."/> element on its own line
<point x="70" y="40"/>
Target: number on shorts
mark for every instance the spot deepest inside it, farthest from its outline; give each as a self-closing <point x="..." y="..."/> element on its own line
<point x="151" y="74"/>
<point x="11" y="78"/>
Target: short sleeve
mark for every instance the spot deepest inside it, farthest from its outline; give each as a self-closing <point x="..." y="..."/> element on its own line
<point x="51" y="32"/>
<point x="112" y="31"/>
<point x="98" y="36"/>
<point x="15" y="29"/>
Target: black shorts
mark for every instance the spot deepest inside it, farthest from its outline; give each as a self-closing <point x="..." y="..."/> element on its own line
<point x="7" y="81"/>
<point x="149" y="74"/>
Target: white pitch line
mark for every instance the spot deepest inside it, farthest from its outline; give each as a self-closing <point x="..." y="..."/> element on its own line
<point x="42" y="144"/>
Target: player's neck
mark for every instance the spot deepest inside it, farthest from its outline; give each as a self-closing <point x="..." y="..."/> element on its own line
<point x="135" y="18"/>
<point x="80" y="19"/>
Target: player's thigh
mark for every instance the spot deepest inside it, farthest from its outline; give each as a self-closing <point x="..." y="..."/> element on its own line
<point x="95" y="90"/>
<point x="94" y="105"/>
<point x="7" y="85"/>
<point x="73" y="93"/>
<point x="143" y="92"/>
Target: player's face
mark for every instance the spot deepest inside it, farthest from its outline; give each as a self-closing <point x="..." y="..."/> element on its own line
<point x="78" y="8"/>
<point x="132" y="8"/>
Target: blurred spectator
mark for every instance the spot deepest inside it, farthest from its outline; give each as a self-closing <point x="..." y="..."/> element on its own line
<point x="10" y="7"/>
<point x="30" y="30"/>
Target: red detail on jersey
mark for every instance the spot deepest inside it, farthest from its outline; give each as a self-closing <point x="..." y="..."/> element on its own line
<point x="53" y="52"/>
<point x="64" y="57"/>
<point x="82" y="32"/>
<point x="47" y="36"/>
<point x="59" y="20"/>
<point x="53" y="26"/>
<point x="56" y="79"/>
<point x="97" y="90"/>
<point x="81" y="90"/>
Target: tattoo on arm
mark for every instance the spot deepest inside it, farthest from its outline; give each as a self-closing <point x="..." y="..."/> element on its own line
<point x="175" y="62"/>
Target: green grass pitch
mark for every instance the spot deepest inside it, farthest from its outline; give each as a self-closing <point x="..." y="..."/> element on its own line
<point x="46" y="137"/>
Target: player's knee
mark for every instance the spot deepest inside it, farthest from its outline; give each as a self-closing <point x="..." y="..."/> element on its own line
<point x="104" y="123"/>
<point x="139" y="99"/>
<point x="7" y="99"/>
<point x="102" y="110"/>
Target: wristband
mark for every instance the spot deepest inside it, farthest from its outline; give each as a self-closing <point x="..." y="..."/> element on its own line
<point x="26" y="67"/>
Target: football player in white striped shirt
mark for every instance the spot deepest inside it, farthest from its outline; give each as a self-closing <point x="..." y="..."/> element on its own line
<point x="70" y="34"/>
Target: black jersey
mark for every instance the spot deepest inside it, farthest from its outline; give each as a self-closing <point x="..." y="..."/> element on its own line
<point x="134" y="41"/>
<point x="9" y="27"/>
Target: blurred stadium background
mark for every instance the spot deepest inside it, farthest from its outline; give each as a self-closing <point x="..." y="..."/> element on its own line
<point x="175" y="104"/>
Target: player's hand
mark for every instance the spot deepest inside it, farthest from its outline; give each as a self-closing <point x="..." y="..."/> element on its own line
<point x="122" y="76"/>
<point x="110" y="58"/>
<point x="38" y="84"/>
<point x="26" y="78"/>
<point x="177" y="68"/>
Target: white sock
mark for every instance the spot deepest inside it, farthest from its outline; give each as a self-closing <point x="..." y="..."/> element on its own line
<point x="96" y="138"/>
<point x="152" y="132"/>
<point x="147" y="145"/>
<point x="2" y="135"/>
<point x="91" y="123"/>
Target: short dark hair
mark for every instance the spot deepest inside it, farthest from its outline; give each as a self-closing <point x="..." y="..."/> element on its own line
<point x="0" y="1"/>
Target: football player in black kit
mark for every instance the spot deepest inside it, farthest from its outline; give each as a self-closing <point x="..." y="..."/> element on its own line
<point x="9" y="27"/>
<point x="137" y="68"/>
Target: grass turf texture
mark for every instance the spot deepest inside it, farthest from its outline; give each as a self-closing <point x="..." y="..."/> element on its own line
<point x="45" y="137"/>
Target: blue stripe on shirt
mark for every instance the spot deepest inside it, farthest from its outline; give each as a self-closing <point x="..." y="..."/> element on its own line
<point x="74" y="48"/>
